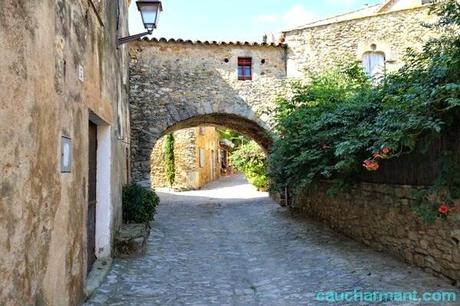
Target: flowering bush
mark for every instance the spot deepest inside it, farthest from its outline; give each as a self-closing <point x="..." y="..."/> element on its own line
<point x="339" y="122"/>
<point x="443" y="209"/>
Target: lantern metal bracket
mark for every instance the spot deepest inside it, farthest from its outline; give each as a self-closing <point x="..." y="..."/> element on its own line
<point x="127" y="39"/>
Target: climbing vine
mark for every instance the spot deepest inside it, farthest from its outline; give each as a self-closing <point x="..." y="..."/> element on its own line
<point x="169" y="159"/>
<point x="341" y="123"/>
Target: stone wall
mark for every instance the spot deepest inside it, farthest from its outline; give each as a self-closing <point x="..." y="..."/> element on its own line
<point x="380" y="217"/>
<point x="208" y="141"/>
<point x="184" y="161"/>
<point x="316" y="48"/>
<point x="179" y="84"/>
<point x="189" y="174"/>
<point x="43" y="212"/>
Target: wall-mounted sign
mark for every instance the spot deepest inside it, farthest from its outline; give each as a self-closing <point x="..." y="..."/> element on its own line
<point x="81" y="73"/>
<point x="66" y="154"/>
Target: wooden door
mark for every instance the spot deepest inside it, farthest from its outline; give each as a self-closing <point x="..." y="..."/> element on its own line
<point x="92" y="168"/>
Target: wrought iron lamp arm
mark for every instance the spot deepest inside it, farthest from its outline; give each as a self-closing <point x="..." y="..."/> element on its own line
<point x="124" y="40"/>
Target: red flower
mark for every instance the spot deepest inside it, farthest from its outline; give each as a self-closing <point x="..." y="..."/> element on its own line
<point x="371" y="165"/>
<point x="382" y="154"/>
<point x="443" y="209"/>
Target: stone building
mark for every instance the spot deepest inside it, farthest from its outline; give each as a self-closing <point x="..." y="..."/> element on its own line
<point x="178" y="84"/>
<point x="196" y="156"/>
<point x="377" y="36"/>
<point x="64" y="144"/>
<point x="65" y="135"/>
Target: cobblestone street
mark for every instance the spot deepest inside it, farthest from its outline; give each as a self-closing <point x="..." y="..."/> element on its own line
<point x="231" y="245"/>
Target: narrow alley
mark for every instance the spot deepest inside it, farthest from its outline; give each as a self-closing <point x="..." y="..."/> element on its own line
<point x="231" y="245"/>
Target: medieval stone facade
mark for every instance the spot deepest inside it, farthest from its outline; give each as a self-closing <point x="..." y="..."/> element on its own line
<point x="388" y="30"/>
<point x="196" y="156"/>
<point x="60" y="70"/>
<point x="63" y="77"/>
<point x="179" y="84"/>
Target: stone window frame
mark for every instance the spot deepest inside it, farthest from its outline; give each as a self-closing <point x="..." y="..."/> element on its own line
<point x="374" y="53"/>
<point x="375" y="46"/>
<point x="243" y="64"/>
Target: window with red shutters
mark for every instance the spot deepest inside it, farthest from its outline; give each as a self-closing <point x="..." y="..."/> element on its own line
<point x="244" y="68"/>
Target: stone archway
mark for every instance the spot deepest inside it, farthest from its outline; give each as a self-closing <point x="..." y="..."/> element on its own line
<point x="197" y="150"/>
<point x="250" y="128"/>
<point x="180" y="84"/>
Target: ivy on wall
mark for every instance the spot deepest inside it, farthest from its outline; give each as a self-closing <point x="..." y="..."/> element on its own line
<point x="170" y="166"/>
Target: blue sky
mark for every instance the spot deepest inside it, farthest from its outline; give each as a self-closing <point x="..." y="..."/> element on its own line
<point x="232" y="20"/>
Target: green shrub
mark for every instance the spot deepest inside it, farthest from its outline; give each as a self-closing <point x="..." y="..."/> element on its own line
<point x="251" y="160"/>
<point x="139" y="204"/>
<point x="340" y="123"/>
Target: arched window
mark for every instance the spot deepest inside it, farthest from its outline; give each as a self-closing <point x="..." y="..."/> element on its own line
<point x="374" y="63"/>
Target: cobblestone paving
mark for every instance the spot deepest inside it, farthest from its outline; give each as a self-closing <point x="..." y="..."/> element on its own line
<point x="230" y="245"/>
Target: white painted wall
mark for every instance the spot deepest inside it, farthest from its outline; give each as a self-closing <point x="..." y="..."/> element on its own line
<point x="104" y="209"/>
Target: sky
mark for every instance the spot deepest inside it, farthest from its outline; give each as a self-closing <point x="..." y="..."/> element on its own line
<point x="244" y="20"/>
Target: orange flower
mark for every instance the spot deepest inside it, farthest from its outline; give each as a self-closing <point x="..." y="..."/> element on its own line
<point x="443" y="209"/>
<point x="371" y="165"/>
<point x="382" y="154"/>
<point x="386" y="150"/>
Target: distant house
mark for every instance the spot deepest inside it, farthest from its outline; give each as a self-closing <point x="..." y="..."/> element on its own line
<point x="197" y="159"/>
<point x="226" y="147"/>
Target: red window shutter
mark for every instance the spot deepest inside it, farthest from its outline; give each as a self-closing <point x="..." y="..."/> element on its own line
<point x="244" y="68"/>
<point x="244" y="61"/>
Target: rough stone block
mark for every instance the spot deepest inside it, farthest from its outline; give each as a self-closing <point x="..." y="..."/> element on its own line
<point x="131" y="240"/>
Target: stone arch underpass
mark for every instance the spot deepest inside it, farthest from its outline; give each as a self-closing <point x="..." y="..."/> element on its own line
<point x="180" y="84"/>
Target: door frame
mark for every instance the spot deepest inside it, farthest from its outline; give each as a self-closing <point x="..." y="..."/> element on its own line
<point x="91" y="196"/>
<point x="104" y="208"/>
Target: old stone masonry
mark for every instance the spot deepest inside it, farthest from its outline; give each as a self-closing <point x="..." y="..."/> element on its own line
<point x="177" y="84"/>
<point x="80" y="116"/>
<point x="231" y="245"/>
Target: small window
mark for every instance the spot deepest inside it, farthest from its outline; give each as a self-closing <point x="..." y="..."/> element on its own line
<point x="202" y="158"/>
<point x="374" y="64"/>
<point x="244" y="68"/>
<point x="201" y="130"/>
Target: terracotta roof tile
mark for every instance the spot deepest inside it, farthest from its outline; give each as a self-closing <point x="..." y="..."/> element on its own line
<point x="207" y="42"/>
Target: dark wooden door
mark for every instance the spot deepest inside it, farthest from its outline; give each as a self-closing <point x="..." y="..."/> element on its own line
<point x="92" y="167"/>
